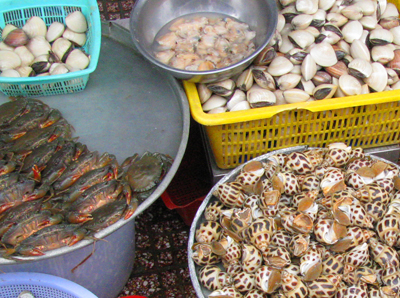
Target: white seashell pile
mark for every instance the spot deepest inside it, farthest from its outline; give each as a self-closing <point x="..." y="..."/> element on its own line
<point x="321" y="49"/>
<point x="35" y="50"/>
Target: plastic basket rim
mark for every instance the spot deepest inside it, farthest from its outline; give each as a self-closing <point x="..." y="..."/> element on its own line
<point x="95" y="43"/>
<point x="45" y="280"/>
<point x="267" y="112"/>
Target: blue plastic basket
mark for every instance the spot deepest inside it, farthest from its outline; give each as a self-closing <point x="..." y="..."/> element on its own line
<point x="18" y="12"/>
<point x="41" y="285"/>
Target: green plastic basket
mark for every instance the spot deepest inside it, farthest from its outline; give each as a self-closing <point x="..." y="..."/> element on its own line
<point x="18" y="12"/>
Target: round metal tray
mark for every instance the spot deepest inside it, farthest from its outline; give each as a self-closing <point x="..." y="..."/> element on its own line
<point x="201" y="291"/>
<point x="128" y="107"/>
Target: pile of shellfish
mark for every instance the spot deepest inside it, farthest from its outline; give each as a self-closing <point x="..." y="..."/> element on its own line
<point x="321" y="49"/>
<point x="36" y="49"/>
<point x="321" y="222"/>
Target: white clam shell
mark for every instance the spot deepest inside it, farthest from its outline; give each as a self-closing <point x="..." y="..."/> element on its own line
<point x="218" y="110"/>
<point x="301" y="38"/>
<point x="358" y="49"/>
<point x="307" y="6"/>
<point x="295" y="95"/>
<point x="286" y="45"/>
<point x="396" y="35"/>
<point x="11" y="73"/>
<point x="204" y="92"/>
<point x="77" y="59"/>
<point x="324" y="54"/>
<point x="289" y="81"/>
<point x="301" y="21"/>
<point x="349" y="85"/>
<point x="326" y="4"/>
<point x="77" y="38"/>
<point x="361" y="67"/>
<point x="308" y="86"/>
<point x="383" y="54"/>
<point x="336" y="19"/>
<point x="352" y="30"/>
<point x="35" y="26"/>
<point x="352" y="12"/>
<point x="390" y="11"/>
<point x="237" y="97"/>
<point x="308" y="68"/>
<point x="243" y="105"/>
<point x="368" y="7"/>
<point x="281" y="22"/>
<point x="9" y="60"/>
<point x="39" y="46"/>
<point x="279" y="66"/>
<point x="369" y="22"/>
<point x="213" y="102"/>
<point x="258" y="96"/>
<point x="56" y="29"/>
<point x="76" y="21"/>
<point x="25" y="55"/>
<point x="378" y="79"/>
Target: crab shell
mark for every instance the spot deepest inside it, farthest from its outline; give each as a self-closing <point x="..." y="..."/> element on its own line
<point x="208" y="232"/>
<point x="268" y="279"/>
<point x="292" y="286"/>
<point x="230" y="194"/>
<point x="144" y="173"/>
<point x="244" y="281"/>
<point x="251" y="258"/>
<point x="325" y="286"/>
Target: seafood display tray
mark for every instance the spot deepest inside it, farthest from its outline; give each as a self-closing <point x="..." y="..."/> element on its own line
<point x="128" y="107"/>
<point x="199" y="218"/>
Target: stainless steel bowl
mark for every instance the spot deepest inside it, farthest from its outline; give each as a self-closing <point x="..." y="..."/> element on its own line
<point x="148" y="17"/>
<point x="199" y="218"/>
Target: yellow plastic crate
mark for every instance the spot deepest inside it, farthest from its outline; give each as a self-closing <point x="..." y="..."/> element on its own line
<point x="367" y="121"/>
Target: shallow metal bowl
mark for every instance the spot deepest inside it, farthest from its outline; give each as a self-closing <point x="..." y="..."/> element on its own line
<point x="199" y="218"/>
<point x="148" y="17"/>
